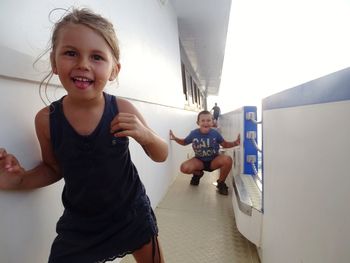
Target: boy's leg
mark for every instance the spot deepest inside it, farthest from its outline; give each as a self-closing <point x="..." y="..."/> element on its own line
<point x="193" y="166"/>
<point x="149" y="253"/>
<point x="196" y="177"/>
<point x="224" y="163"/>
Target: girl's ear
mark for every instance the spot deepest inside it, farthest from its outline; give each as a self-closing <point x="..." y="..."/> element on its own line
<point x="115" y="71"/>
<point x="53" y="63"/>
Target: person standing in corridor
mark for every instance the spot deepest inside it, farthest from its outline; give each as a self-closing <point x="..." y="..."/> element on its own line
<point x="216" y="113"/>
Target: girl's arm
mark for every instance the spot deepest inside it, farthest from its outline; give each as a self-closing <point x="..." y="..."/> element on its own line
<point x="176" y="139"/>
<point x="226" y="144"/>
<point x="14" y="177"/>
<point x="129" y="122"/>
<point x="11" y="172"/>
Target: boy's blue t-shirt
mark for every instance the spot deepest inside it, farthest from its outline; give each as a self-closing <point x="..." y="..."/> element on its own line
<point x="205" y="146"/>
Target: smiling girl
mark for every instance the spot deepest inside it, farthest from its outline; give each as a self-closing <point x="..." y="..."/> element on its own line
<point x="84" y="140"/>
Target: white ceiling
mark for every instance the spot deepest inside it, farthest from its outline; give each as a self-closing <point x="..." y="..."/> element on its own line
<point x="203" y="28"/>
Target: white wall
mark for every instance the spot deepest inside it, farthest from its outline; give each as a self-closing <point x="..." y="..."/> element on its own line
<point x="147" y="31"/>
<point x="231" y="124"/>
<point x="306" y="174"/>
<point x="158" y="176"/>
<point x="150" y="73"/>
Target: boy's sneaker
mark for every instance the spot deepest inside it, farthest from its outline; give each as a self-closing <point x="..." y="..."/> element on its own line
<point x="196" y="178"/>
<point x="222" y="187"/>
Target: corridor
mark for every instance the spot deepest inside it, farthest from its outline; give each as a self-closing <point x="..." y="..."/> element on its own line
<point x="196" y="225"/>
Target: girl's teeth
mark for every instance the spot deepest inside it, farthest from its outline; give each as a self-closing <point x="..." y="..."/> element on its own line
<point x="82" y="83"/>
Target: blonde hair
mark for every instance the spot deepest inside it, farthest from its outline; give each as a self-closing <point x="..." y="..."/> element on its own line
<point x="87" y="18"/>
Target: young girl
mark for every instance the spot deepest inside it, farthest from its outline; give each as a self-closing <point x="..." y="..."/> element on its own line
<point x="84" y="139"/>
<point x="206" y="143"/>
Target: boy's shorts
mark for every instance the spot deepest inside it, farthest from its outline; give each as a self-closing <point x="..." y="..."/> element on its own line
<point x="206" y="165"/>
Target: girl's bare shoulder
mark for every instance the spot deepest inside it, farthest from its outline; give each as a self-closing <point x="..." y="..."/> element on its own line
<point x="126" y="106"/>
<point x="42" y="120"/>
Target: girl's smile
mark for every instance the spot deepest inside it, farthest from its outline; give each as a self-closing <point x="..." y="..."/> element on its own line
<point x="82" y="82"/>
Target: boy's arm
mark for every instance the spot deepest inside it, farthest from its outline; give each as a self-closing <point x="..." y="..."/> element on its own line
<point x="176" y="139"/>
<point x="226" y="144"/>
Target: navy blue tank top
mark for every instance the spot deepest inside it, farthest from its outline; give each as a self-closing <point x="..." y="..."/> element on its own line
<point x="107" y="212"/>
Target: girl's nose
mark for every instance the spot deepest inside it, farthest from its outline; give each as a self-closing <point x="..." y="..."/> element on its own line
<point x="83" y="63"/>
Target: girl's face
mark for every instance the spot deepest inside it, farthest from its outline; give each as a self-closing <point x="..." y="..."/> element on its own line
<point x="205" y="122"/>
<point x="83" y="61"/>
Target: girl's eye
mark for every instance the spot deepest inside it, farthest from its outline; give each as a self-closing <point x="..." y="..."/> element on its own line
<point x="70" y="53"/>
<point x="97" y="57"/>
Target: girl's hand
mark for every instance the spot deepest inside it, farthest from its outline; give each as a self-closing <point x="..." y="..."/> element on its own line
<point x="127" y="124"/>
<point x="11" y="172"/>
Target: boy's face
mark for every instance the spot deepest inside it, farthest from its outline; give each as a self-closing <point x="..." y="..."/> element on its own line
<point x="205" y="122"/>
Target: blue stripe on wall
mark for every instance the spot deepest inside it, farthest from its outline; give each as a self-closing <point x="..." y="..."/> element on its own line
<point x="249" y="148"/>
<point x="330" y="88"/>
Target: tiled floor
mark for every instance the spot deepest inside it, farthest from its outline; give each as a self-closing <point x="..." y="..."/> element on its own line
<point x="197" y="225"/>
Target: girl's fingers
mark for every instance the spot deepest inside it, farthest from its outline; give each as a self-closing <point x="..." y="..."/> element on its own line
<point x="124" y="121"/>
<point x="125" y="118"/>
<point x="10" y="164"/>
<point x="10" y="161"/>
<point x="126" y="125"/>
<point x="3" y="153"/>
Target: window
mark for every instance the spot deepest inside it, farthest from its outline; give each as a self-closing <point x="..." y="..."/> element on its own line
<point x="193" y="94"/>
<point x="184" y="87"/>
